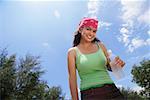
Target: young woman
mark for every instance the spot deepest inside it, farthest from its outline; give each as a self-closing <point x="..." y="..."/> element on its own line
<point x="89" y="56"/>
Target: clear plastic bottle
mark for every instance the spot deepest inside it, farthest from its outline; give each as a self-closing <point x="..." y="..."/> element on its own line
<point x="116" y="69"/>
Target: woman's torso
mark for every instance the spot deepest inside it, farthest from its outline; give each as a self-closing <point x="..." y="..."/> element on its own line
<point x="92" y="69"/>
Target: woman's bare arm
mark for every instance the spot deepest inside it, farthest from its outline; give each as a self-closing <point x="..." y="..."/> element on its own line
<point x="72" y="74"/>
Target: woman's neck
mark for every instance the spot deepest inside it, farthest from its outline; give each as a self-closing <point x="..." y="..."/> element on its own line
<point x="85" y="44"/>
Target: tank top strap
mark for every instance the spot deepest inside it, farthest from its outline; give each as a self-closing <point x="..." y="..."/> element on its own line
<point x="100" y="48"/>
<point x="77" y="51"/>
<point x="77" y="55"/>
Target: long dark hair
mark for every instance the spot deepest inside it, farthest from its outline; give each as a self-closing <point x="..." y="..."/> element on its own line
<point x="77" y="38"/>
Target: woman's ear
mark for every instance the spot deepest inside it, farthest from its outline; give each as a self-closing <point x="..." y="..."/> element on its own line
<point x="80" y="30"/>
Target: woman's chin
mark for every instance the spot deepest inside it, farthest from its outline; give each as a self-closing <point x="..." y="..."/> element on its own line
<point x="89" y="40"/>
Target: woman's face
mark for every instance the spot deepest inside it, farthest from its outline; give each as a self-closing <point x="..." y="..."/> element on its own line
<point x="88" y="34"/>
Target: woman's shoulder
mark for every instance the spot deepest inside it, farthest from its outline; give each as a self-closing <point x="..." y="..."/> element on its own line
<point x="72" y="51"/>
<point x="101" y="44"/>
<point x="103" y="47"/>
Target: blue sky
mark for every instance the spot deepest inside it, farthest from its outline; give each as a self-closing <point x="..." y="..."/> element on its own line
<point x="46" y="27"/>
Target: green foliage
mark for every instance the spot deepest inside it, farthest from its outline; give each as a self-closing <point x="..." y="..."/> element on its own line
<point x="20" y="80"/>
<point x="141" y="76"/>
<point x="130" y="94"/>
<point x="7" y="75"/>
<point x="53" y="93"/>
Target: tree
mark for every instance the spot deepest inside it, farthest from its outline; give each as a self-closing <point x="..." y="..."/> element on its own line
<point x="141" y="76"/>
<point x="55" y="93"/>
<point x="27" y="81"/>
<point x="7" y="75"/>
<point x="130" y="94"/>
<point x="20" y="80"/>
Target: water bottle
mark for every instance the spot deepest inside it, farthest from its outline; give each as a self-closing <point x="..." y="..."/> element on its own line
<point x="116" y="69"/>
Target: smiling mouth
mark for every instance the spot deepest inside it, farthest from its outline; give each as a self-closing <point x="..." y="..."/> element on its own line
<point x="90" y="37"/>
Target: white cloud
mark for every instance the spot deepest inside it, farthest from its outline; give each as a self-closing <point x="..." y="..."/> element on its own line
<point x="132" y="14"/>
<point x="104" y="24"/>
<point x="136" y="43"/>
<point x="125" y="34"/>
<point x="93" y="7"/>
<point x="131" y="9"/>
<point x="45" y="44"/>
<point x="124" y="30"/>
<point x="148" y="32"/>
<point x="124" y="38"/>
<point x="56" y="14"/>
<point x="145" y="18"/>
<point x="148" y="41"/>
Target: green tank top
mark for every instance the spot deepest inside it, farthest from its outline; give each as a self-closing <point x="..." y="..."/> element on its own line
<point x="92" y="69"/>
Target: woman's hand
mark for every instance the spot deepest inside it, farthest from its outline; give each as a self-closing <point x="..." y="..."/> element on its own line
<point x="119" y="62"/>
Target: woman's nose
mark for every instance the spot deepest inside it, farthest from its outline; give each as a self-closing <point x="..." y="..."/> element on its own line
<point x="91" y="32"/>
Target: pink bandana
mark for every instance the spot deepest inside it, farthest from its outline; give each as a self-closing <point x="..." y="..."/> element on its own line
<point x="88" y="22"/>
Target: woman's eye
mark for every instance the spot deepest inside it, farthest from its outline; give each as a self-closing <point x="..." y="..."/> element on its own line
<point x="94" y="31"/>
<point x="87" y="28"/>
